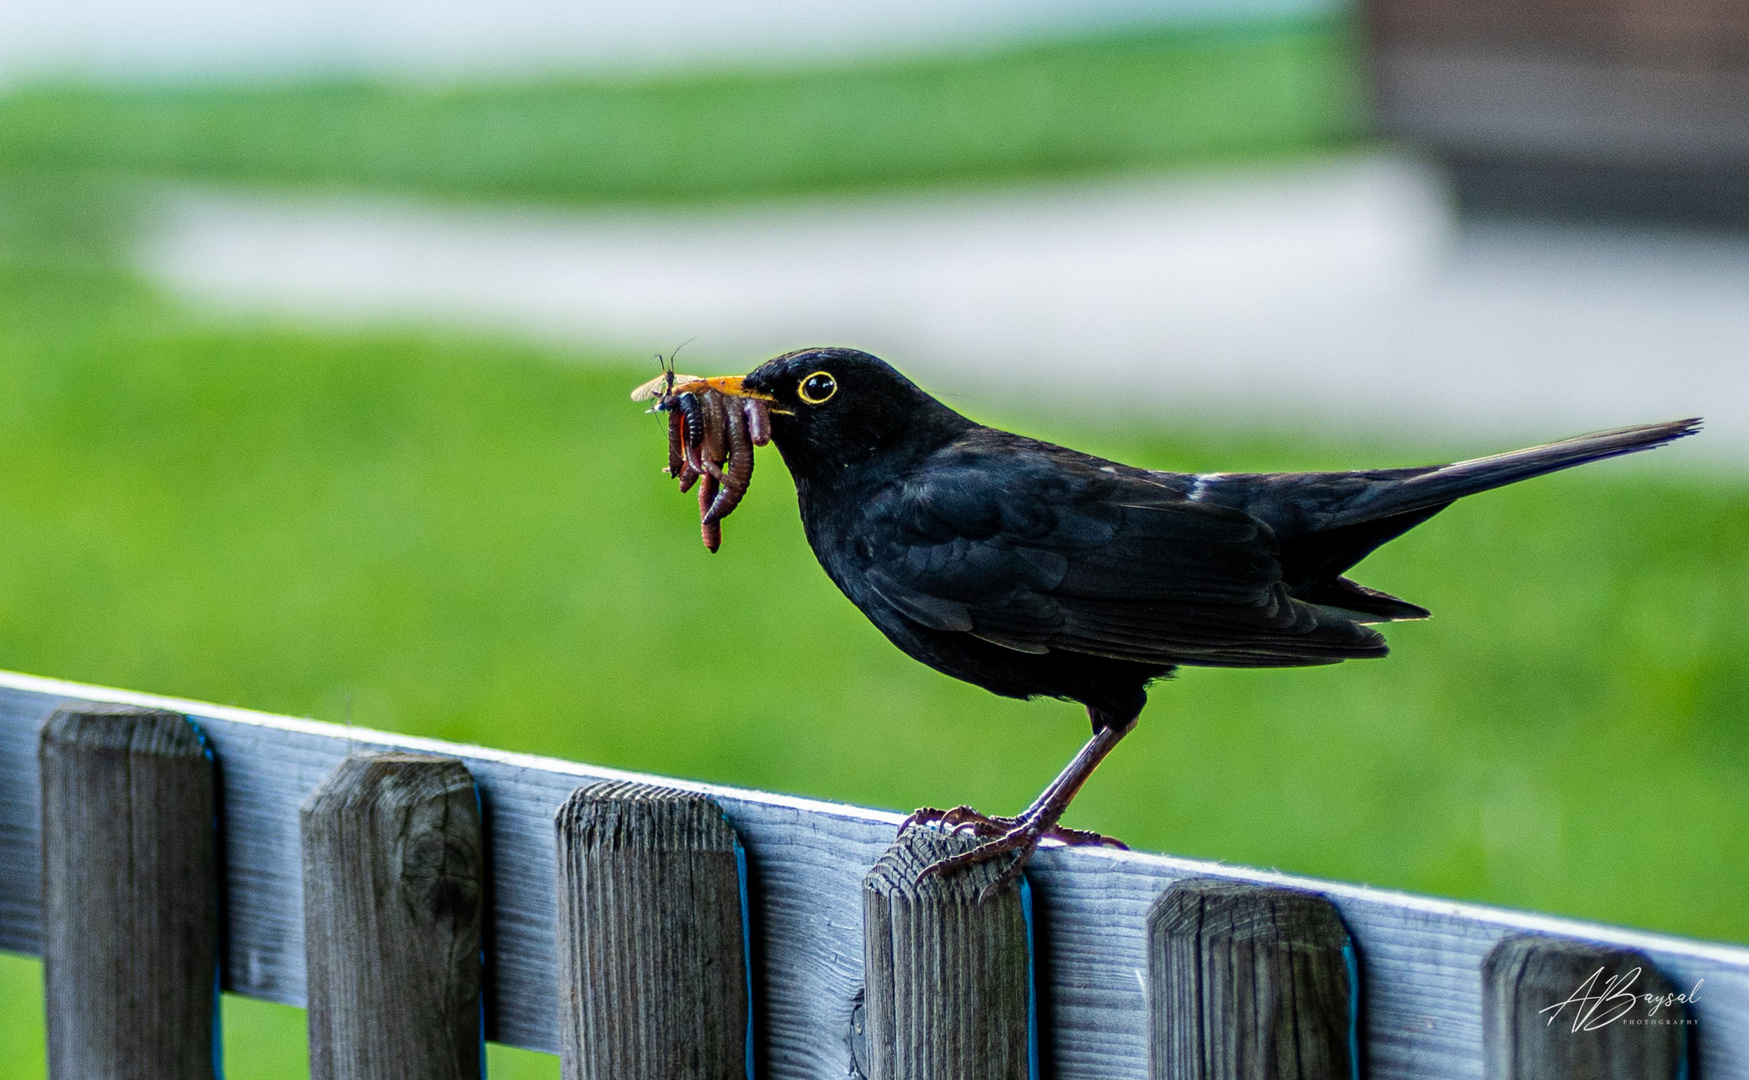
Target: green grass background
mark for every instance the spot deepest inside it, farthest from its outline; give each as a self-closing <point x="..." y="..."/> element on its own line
<point x="469" y="537"/>
<point x="1116" y="102"/>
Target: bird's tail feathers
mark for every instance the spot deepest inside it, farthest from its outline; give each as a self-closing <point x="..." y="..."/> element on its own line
<point x="1442" y="485"/>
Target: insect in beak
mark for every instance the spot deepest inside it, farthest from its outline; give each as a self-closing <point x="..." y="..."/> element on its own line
<point x="659" y="388"/>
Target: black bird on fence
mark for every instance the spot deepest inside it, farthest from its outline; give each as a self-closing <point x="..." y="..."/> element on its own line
<point x="1030" y="569"/>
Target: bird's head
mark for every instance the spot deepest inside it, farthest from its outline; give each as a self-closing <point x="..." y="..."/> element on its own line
<point x="833" y="409"/>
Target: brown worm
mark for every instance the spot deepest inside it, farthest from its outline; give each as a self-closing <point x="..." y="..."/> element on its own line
<point x="710" y="439"/>
<point x="710" y="529"/>
<point x="739" y="471"/>
<point x="758" y="420"/>
<point x="716" y="422"/>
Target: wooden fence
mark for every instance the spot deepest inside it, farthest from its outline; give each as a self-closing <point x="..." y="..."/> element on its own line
<point x="651" y="928"/>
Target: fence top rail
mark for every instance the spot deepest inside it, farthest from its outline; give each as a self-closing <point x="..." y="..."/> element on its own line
<point x="1421" y="956"/>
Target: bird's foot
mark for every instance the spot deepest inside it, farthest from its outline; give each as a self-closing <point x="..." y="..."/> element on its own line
<point x="1017" y="838"/>
<point x="965" y="819"/>
<point x="961" y="819"/>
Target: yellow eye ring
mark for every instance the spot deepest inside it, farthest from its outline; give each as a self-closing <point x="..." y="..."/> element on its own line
<point x="817" y="388"/>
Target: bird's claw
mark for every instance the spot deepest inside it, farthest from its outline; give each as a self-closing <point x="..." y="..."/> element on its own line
<point x="1021" y="842"/>
<point x="967" y="820"/>
<point x="1083" y="838"/>
<point x="1017" y="836"/>
<point x="962" y="819"/>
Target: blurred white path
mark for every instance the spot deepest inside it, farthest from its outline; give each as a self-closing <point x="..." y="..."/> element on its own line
<point x="1336" y="293"/>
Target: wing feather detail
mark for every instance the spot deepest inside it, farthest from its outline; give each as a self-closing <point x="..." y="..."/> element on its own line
<point x="1099" y="561"/>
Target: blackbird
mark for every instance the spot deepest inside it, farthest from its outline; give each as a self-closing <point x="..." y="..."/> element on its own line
<point x="1034" y="570"/>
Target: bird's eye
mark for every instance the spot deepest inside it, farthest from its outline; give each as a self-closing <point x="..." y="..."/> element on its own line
<point x="816" y="388"/>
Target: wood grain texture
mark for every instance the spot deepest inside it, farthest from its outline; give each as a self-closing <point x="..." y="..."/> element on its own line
<point x="1422" y="1015"/>
<point x="1557" y="1008"/>
<point x="947" y="973"/>
<point x="652" y="970"/>
<point x="394" y="894"/>
<point x="130" y="895"/>
<point x="1249" y="982"/>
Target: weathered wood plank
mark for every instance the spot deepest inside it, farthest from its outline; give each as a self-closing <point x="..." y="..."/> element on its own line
<point x="1422" y="1015"/>
<point x="1250" y="982"/>
<point x="130" y="895"/>
<point x="1559" y="1008"/>
<point x="651" y="951"/>
<point x="394" y="893"/>
<point x="948" y="972"/>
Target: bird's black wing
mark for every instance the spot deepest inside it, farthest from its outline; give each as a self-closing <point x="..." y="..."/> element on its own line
<point x="1055" y="550"/>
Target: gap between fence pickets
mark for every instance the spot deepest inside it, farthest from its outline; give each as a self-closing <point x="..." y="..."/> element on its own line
<point x="1727" y="966"/>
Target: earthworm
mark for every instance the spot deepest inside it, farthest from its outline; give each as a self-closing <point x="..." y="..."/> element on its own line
<point x="758" y="421"/>
<point x="716" y="421"/>
<point x="710" y="438"/>
<point x="710" y="529"/>
<point x="739" y="472"/>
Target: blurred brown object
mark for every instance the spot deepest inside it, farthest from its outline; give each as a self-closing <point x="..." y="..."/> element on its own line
<point x="1592" y="108"/>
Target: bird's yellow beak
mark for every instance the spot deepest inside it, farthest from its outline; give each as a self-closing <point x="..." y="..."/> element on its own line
<point x="732" y="385"/>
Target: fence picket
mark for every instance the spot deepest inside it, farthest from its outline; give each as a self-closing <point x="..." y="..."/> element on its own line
<point x="393" y="899"/>
<point x="1250" y="982"/>
<point x="651" y="943"/>
<point x="1556" y="1008"/>
<point x="129" y="894"/>
<point x="948" y="975"/>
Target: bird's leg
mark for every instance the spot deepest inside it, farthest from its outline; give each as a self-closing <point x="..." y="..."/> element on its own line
<point x="1021" y="835"/>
